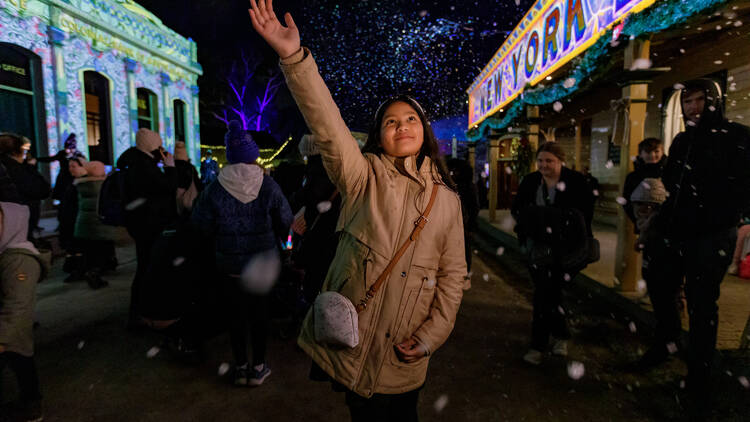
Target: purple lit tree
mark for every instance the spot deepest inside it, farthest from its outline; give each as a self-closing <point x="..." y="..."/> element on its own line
<point x="248" y="99"/>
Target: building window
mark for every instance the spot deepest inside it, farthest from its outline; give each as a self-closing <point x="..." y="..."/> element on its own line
<point x="148" y="110"/>
<point x="22" y="96"/>
<point x="98" y="122"/>
<point x="179" y="120"/>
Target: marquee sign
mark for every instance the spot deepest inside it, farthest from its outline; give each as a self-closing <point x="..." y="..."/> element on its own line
<point x="550" y="35"/>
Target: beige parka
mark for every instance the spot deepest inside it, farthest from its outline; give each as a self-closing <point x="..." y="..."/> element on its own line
<point x="382" y="197"/>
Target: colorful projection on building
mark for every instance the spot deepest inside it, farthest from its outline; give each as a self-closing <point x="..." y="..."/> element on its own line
<point x="550" y="35"/>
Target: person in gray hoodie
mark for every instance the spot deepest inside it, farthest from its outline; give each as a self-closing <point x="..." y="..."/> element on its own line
<point x="247" y="215"/>
<point x="21" y="268"/>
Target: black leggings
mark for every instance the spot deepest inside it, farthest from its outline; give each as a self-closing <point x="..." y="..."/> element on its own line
<point x="25" y="370"/>
<point x="549" y="318"/>
<point x="247" y="309"/>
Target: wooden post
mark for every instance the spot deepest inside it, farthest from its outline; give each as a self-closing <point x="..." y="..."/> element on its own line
<point x="532" y="114"/>
<point x="493" y="155"/>
<point x="578" y="161"/>
<point x="635" y="94"/>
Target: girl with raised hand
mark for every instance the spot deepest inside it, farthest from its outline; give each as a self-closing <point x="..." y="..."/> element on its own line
<point x="384" y="189"/>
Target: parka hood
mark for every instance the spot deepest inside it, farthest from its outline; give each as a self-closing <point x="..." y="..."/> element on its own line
<point x="242" y="181"/>
<point x="15" y="223"/>
<point x="713" y="112"/>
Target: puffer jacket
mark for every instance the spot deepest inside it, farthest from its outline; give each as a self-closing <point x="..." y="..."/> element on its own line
<point x="381" y="199"/>
<point x="88" y="225"/>
<point x="245" y="212"/>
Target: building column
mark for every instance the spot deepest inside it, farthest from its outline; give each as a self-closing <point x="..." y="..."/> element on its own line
<point x="472" y="149"/>
<point x="635" y="95"/>
<point x="577" y="165"/>
<point x="57" y="37"/>
<point x="532" y="116"/>
<point x="130" y="66"/>
<point x="194" y="133"/>
<point x="493" y="155"/>
<point x="168" y="134"/>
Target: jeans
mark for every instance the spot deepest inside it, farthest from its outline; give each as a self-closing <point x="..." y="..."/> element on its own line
<point x="247" y="309"/>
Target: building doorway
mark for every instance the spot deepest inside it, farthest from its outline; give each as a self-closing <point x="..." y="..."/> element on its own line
<point x="22" y="96"/>
<point x="98" y="121"/>
<point x="148" y="110"/>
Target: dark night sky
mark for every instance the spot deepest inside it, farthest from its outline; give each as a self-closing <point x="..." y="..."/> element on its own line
<point x="366" y="50"/>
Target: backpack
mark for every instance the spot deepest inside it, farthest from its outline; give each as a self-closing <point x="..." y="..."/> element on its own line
<point x="112" y="199"/>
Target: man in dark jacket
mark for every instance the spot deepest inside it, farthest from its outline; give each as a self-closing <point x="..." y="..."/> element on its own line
<point x="151" y="194"/>
<point x="707" y="176"/>
<point x="649" y="164"/>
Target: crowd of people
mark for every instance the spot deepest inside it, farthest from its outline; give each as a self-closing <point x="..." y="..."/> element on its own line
<point x="360" y="210"/>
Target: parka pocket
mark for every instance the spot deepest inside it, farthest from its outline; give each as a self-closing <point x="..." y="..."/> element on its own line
<point x="415" y="308"/>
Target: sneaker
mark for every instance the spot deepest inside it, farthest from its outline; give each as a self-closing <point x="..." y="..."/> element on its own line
<point x="241" y="374"/>
<point x="560" y="348"/>
<point x="257" y="377"/>
<point x="733" y="269"/>
<point x="533" y="357"/>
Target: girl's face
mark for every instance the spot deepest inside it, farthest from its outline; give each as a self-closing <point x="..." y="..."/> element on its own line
<point x="401" y="131"/>
<point x="549" y="165"/>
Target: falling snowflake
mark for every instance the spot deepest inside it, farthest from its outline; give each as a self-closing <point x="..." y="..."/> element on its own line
<point x="737" y="24"/>
<point x="486" y="277"/>
<point x="671" y="348"/>
<point x="566" y="277"/>
<point x="323" y="207"/>
<point x="743" y="380"/>
<point x="641" y="64"/>
<point x="682" y="384"/>
<point x="178" y="261"/>
<point x="507" y="223"/>
<point x="640" y="285"/>
<point x="500" y="250"/>
<point x="549" y="229"/>
<point x="718" y="62"/>
<point x="561" y="310"/>
<point x="561" y="186"/>
<point x="632" y="327"/>
<point x="135" y="204"/>
<point x="223" y="368"/>
<point x="576" y="370"/>
<point x="152" y="352"/>
<point x="557" y="106"/>
<point x="595" y="192"/>
<point x="261" y="272"/>
<point x="508" y="170"/>
<point x="440" y="403"/>
<point x="722" y="253"/>
<point x="622" y="201"/>
<point x="81" y="344"/>
<point x="609" y="164"/>
<point x="569" y="83"/>
<point x="678" y="86"/>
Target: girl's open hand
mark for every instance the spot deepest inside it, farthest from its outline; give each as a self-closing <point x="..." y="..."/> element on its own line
<point x="284" y="40"/>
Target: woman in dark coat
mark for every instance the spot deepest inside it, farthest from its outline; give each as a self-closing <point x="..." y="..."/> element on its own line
<point x="546" y="231"/>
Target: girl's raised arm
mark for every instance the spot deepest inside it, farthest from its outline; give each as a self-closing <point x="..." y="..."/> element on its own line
<point x="344" y="163"/>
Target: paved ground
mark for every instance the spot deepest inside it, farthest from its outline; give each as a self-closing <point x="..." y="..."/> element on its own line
<point x="91" y="369"/>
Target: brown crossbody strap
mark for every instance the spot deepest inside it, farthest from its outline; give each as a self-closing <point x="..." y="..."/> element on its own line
<point x="418" y="226"/>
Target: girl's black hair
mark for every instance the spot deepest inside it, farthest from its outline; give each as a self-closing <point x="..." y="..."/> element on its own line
<point x="430" y="147"/>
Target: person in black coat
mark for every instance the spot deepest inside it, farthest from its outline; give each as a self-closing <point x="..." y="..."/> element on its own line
<point x="246" y="214"/>
<point x="463" y="176"/>
<point x="649" y="164"/>
<point x="322" y="208"/>
<point x="707" y="176"/>
<point x="150" y="192"/>
<point x="8" y="191"/>
<point x="30" y="184"/>
<point x="63" y="183"/>
<point x="546" y="199"/>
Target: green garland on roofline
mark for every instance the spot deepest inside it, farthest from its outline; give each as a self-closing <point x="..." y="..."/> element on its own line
<point x="662" y="15"/>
